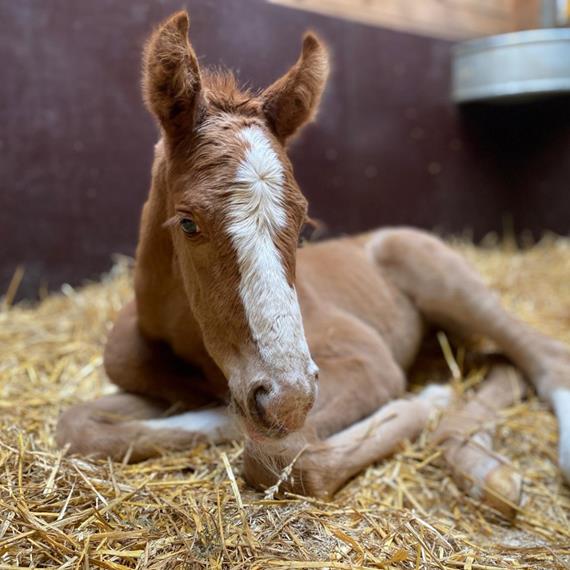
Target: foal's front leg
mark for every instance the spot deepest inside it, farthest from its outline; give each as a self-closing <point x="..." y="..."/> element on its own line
<point x="321" y="467"/>
<point x="357" y="418"/>
<point x="139" y="365"/>
<point x="131" y="428"/>
<point x="133" y="424"/>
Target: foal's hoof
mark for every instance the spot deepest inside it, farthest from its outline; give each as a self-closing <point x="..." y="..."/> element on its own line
<point x="503" y="490"/>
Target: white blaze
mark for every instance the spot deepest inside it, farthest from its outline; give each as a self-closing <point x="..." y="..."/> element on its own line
<point x="255" y="215"/>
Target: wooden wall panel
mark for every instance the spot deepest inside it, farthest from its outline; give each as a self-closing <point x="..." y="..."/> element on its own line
<point x="453" y="19"/>
<point x="388" y="147"/>
<point x="527" y="14"/>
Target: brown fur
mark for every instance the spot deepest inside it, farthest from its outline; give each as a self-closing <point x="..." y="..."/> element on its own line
<point x="364" y="300"/>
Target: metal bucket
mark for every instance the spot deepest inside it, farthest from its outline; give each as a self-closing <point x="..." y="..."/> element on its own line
<point x="516" y="66"/>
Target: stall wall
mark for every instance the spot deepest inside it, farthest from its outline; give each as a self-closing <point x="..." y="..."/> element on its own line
<point x="457" y="19"/>
<point x="388" y="146"/>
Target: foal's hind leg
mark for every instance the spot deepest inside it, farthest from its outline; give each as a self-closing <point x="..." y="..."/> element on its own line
<point x="448" y="292"/>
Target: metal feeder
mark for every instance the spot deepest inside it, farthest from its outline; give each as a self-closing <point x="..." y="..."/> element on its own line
<point x="517" y="66"/>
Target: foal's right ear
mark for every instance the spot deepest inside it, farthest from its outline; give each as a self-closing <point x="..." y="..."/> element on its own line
<point x="171" y="76"/>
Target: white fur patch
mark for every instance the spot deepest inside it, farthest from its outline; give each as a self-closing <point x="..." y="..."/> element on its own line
<point x="438" y="395"/>
<point x="561" y="402"/>
<point x="255" y="214"/>
<point x="215" y="423"/>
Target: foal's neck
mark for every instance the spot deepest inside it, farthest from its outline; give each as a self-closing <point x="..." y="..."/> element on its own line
<point x="163" y="309"/>
<point x="159" y="290"/>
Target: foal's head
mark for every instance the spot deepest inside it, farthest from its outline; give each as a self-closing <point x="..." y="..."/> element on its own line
<point x="235" y="212"/>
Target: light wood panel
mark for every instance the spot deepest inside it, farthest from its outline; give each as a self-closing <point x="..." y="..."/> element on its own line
<point x="452" y="19"/>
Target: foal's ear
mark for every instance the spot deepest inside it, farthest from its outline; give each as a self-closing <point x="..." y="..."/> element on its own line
<point x="294" y="98"/>
<point x="171" y="75"/>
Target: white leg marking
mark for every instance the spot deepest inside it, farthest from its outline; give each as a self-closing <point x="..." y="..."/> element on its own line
<point x="215" y="423"/>
<point x="561" y="402"/>
<point x="256" y="214"/>
<point x="438" y="395"/>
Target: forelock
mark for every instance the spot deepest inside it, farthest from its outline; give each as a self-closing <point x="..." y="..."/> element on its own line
<point x="222" y="93"/>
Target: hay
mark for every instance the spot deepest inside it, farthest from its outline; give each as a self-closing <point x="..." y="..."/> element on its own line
<point x="192" y="510"/>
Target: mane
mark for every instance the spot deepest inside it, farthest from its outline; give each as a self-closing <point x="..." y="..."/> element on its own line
<point x="223" y="93"/>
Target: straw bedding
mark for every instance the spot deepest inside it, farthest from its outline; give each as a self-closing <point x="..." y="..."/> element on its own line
<point x="192" y="510"/>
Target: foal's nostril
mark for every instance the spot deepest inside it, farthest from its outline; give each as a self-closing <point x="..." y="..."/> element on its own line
<point x="257" y="402"/>
<point x="280" y="408"/>
<point x="260" y="398"/>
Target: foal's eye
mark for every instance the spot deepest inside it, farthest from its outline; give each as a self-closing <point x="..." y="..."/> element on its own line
<point x="189" y="227"/>
<point x="306" y="234"/>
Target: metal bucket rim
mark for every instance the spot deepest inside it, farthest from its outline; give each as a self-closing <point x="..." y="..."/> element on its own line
<point x="512" y="39"/>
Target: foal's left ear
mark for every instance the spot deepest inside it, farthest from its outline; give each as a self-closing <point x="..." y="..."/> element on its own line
<point x="294" y="98"/>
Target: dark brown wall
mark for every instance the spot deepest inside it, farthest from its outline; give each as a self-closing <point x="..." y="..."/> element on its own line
<point x="389" y="148"/>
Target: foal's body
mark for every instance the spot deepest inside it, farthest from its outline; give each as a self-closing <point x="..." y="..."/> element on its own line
<point x="365" y="302"/>
<point x="216" y="314"/>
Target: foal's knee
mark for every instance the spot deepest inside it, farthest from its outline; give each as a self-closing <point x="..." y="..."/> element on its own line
<point x="410" y="251"/>
<point x="424" y="267"/>
<point x="390" y="244"/>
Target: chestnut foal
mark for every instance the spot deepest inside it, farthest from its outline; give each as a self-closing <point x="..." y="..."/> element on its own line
<point x="226" y="309"/>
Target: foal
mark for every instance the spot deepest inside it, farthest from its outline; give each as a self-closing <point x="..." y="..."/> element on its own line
<point x="227" y="310"/>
